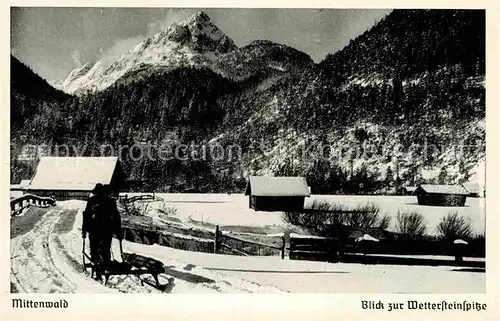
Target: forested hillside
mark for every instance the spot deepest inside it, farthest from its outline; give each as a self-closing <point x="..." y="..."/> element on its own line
<point x="411" y="42"/>
<point x="28" y="92"/>
<point x="31" y="98"/>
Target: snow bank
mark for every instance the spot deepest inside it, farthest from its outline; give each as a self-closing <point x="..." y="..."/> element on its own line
<point x="322" y="277"/>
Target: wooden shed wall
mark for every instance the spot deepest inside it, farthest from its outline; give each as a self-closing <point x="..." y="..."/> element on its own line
<point x="441" y="199"/>
<point x="275" y="203"/>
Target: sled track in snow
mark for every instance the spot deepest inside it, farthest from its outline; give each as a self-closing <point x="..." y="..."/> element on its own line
<point x="41" y="264"/>
<point x="32" y="264"/>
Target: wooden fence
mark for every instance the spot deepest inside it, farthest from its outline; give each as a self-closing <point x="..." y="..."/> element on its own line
<point x="313" y="248"/>
<point x="222" y="239"/>
<point x="124" y="201"/>
<point x="143" y="234"/>
<point x="325" y="249"/>
<point x="301" y="247"/>
<point x="147" y="197"/>
<point x="19" y="204"/>
<point x="150" y="236"/>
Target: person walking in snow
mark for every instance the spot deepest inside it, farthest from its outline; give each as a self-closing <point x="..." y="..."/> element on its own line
<point x="101" y="220"/>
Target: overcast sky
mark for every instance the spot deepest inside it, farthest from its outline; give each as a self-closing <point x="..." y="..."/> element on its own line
<point x="54" y="41"/>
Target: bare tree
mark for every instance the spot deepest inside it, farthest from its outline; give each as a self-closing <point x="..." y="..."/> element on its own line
<point x="453" y="226"/>
<point x="411" y="224"/>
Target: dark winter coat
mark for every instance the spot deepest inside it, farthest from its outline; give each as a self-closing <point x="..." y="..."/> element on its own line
<point x="101" y="216"/>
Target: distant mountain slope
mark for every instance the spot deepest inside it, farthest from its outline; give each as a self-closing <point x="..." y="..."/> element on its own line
<point x="24" y="81"/>
<point x="410" y="42"/>
<point x="193" y="42"/>
<point x="261" y="56"/>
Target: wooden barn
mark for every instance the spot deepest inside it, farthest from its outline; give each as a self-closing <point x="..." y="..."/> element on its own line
<point x="267" y="193"/>
<point x="441" y="195"/>
<point x="67" y="178"/>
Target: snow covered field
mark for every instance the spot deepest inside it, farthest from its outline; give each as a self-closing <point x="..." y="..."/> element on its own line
<point x="47" y="259"/>
<point x="232" y="210"/>
<point x="322" y="277"/>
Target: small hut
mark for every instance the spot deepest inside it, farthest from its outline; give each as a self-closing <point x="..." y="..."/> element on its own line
<point x="67" y="178"/>
<point x="268" y="193"/>
<point x="441" y="195"/>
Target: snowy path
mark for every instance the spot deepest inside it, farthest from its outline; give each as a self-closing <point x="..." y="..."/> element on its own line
<point x="47" y="259"/>
<point x="38" y="262"/>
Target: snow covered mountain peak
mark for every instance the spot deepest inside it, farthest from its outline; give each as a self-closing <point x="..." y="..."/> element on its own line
<point x="196" y="41"/>
<point x="200" y="33"/>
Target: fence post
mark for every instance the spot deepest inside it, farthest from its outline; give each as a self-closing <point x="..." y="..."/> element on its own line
<point x="290" y="250"/>
<point x="283" y="247"/>
<point x="160" y="239"/>
<point x="216" y="240"/>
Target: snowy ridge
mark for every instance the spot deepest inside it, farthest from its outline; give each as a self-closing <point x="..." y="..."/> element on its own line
<point x="192" y="42"/>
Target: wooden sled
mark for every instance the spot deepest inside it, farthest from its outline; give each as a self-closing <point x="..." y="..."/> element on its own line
<point x="133" y="264"/>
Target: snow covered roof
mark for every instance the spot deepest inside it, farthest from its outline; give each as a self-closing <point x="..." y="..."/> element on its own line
<point x="277" y="186"/>
<point x="410" y="188"/>
<point x="444" y="189"/>
<point x="24" y="183"/>
<point x="73" y="173"/>
<point x="473" y="187"/>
